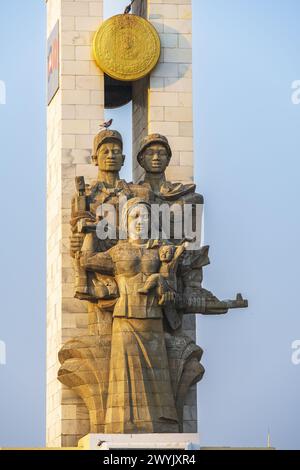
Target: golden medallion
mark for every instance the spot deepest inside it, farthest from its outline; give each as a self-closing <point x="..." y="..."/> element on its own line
<point x="126" y="47"/>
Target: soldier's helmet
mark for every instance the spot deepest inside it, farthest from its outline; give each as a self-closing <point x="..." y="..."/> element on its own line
<point x="104" y="136"/>
<point x="153" y="139"/>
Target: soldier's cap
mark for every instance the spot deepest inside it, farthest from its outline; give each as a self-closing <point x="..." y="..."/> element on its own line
<point x="104" y="136"/>
<point x="154" y="139"/>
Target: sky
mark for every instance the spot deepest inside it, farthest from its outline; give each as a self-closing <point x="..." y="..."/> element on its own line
<point x="247" y="147"/>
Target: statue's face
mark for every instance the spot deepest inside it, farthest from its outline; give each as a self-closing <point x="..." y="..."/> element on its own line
<point x="166" y="253"/>
<point x="110" y="157"/>
<point x="138" y="222"/>
<point x="155" y="159"/>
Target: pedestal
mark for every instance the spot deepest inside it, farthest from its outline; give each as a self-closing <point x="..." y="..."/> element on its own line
<point x="139" y="441"/>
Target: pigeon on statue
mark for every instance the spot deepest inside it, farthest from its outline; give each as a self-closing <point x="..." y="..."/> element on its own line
<point x="128" y="8"/>
<point x="106" y="124"/>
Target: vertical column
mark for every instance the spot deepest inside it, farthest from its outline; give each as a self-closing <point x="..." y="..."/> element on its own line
<point x="162" y="103"/>
<point x="140" y="103"/>
<point x="73" y="119"/>
<point x="168" y="93"/>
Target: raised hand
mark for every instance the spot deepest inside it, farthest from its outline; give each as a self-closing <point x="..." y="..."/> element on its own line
<point x="76" y="242"/>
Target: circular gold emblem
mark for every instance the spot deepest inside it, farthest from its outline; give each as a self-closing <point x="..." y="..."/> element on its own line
<point x="126" y="47"/>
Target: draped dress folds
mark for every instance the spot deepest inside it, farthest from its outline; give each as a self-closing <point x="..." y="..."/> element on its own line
<point x="140" y="395"/>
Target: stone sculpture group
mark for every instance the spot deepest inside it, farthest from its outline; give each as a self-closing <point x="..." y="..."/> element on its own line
<point x="136" y="365"/>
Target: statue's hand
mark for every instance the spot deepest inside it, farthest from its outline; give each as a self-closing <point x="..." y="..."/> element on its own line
<point x="76" y="242"/>
<point x="144" y="290"/>
<point x="167" y="298"/>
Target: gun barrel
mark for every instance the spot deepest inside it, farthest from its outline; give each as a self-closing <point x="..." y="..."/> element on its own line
<point x="242" y="303"/>
<point x="200" y="304"/>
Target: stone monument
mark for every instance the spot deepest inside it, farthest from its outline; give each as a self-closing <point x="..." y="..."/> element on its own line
<point x="122" y="358"/>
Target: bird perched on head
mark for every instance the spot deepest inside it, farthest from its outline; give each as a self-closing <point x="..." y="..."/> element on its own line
<point x="106" y="124"/>
<point x="128" y="8"/>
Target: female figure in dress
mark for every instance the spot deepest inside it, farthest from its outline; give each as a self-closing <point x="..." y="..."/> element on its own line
<point x="140" y="396"/>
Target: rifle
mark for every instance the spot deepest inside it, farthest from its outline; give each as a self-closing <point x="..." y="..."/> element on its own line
<point x="211" y="306"/>
<point x="84" y="223"/>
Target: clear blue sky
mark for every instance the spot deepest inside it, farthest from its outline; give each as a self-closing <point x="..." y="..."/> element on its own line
<point x="247" y="147"/>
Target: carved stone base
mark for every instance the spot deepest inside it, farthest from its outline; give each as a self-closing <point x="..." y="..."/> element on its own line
<point x="139" y="441"/>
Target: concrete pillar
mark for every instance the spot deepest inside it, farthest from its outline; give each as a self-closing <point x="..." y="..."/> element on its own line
<point x="73" y="119"/>
<point x="163" y="103"/>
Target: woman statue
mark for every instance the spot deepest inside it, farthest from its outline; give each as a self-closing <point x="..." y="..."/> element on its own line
<point x="140" y="396"/>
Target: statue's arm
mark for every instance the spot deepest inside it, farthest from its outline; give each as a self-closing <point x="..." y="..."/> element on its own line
<point x="177" y="257"/>
<point x="99" y="262"/>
